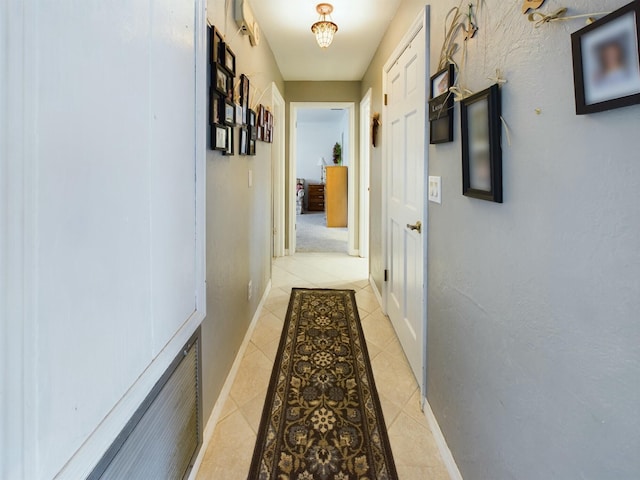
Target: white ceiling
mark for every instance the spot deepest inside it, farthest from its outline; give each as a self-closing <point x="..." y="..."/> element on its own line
<point x="287" y="26"/>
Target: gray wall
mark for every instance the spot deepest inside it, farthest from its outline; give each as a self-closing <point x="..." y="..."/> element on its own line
<point x="533" y="351"/>
<point x="238" y="223"/>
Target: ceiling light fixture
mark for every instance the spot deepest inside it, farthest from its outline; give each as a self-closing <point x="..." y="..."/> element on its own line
<point x="324" y="29"/>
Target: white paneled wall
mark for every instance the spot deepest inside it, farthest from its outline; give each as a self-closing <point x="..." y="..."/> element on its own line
<point x="112" y="204"/>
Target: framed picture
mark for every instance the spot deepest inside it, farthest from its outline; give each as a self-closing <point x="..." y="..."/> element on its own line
<point x="229" y="113"/>
<point x="215" y="40"/>
<point x="219" y="137"/>
<point x="252" y="118"/>
<point x="230" y="142"/>
<point x="606" y="61"/>
<point x="252" y="147"/>
<point x="244" y="141"/>
<point x="441" y="106"/>
<point x="222" y="81"/>
<point x="229" y="59"/>
<point x="481" y="148"/>
<point x="244" y="98"/>
<point x="215" y="107"/>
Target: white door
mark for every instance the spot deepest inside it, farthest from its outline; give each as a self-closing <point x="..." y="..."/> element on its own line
<point x="405" y="86"/>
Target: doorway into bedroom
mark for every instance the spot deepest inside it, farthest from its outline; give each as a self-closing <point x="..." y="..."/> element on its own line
<point x="321" y="163"/>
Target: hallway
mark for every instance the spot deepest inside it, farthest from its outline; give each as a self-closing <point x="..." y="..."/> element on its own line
<point x="230" y="449"/>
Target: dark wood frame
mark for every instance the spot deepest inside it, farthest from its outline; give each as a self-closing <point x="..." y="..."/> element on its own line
<point x="245" y="88"/>
<point x="215" y="145"/>
<point x="230" y="150"/>
<point x="220" y="71"/>
<point x="492" y="96"/>
<point x="441" y="109"/>
<point x="582" y="107"/>
<point x="243" y="148"/>
<point x="215" y="104"/>
<point x="215" y="40"/>
<point x="229" y="108"/>
<point x="226" y="53"/>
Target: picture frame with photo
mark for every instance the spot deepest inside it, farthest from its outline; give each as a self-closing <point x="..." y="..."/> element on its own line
<point x="244" y="141"/>
<point x="229" y="113"/>
<point x="222" y="81"/>
<point x="230" y="150"/>
<point x="252" y="147"/>
<point x="228" y="59"/>
<point x="219" y="137"/>
<point x="245" y="87"/>
<point x="481" y="145"/>
<point x="215" y="41"/>
<point x="215" y="107"/>
<point x="606" y="61"/>
<point x="441" y="106"/>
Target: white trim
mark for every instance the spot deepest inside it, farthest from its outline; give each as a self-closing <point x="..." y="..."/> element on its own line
<point x="376" y="292"/>
<point x="226" y="388"/>
<point x="278" y="171"/>
<point x="441" y="442"/>
<point x="351" y="178"/>
<point x="364" y="163"/>
<point x="90" y="452"/>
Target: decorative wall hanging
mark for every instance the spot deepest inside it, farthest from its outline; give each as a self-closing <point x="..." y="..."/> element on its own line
<point x="531" y="5"/>
<point x="471" y="27"/>
<point x="265" y="124"/>
<point x="441" y="106"/>
<point x="229" y="113"/>
<point x="222" y="81"/>
<point x="244" y="141"/>
<point x="481" y="145"/>
<point x="606" y="61"/>
<point x="244" y="98"/>
<point x="375" y="127"/>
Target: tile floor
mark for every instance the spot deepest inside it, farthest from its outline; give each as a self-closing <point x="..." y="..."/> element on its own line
<point x="228" y="455"/>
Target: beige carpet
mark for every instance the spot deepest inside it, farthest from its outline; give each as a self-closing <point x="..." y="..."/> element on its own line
<point x="312" y="235"/>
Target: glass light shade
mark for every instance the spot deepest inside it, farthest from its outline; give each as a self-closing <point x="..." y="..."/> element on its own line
<point x="324" y="31"/>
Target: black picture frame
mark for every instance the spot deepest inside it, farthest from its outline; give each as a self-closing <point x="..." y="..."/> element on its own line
<point x="221" y="80"/>
<point x="252" y="147"/>
<point x="229" y="113"/>
<point x="216" y="103"/>
<point x="230" y="150"/>
<point x="606" y="61"/>
<point x="441" y="106"/>
<point x="219" y="137"/>
<point x="245" y="87"/>
<point x="252" y="118"/>
<point x="481" y="145"/>
<point x="215" y="40"/>
<point x="228" y="59"/>
<point x="244" y="141"/>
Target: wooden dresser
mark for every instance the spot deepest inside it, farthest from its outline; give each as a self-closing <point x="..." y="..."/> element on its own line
<point x="315" y="197"/>
<point x="336" y="196"/>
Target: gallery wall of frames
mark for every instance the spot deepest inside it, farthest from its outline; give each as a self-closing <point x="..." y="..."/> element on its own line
<point x="233" y="123"/>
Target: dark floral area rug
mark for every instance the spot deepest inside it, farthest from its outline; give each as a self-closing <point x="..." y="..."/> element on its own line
<point x="322" y="417"/>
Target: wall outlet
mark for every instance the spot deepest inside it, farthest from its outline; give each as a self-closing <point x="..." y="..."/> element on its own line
<point x="435" y="189"/>
<point x="249" y="290"/>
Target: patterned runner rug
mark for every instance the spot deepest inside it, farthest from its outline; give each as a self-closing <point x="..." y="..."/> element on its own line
<point x="322" y="417"/>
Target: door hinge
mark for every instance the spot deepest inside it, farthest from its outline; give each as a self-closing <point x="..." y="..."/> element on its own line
<point x="386" y="275"/>
<point x="385" y="99"/>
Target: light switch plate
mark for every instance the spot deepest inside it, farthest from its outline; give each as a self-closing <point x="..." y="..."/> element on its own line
<point x="250" y="178"/>
<point x="435" y="190"/>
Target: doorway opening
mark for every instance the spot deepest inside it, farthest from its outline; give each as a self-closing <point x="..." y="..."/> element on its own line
<point x="323" y="176"/>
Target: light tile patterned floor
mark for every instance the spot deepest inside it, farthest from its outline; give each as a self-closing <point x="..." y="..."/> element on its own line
<point x="229" y="453"/>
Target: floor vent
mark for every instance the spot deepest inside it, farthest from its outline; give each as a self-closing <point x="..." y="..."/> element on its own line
<point x="163" y="437"/>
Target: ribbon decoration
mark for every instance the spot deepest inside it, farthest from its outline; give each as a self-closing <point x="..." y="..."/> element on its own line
<point x="540" y="18"/>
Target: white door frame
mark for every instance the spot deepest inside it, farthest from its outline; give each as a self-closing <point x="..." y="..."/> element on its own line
<point x="278" y="171"/>
<point x="421" y="22"/>
<point x="364" y="161"/>
<point x="351" y="179"/>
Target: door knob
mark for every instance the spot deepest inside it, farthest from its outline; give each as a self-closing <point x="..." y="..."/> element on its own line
<point x="417" y="227"/>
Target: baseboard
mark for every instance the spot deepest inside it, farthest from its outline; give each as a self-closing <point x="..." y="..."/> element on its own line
<point x="443" y="448"/>
<point x="226" y="388"/>
<point x="376" y="292"/>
